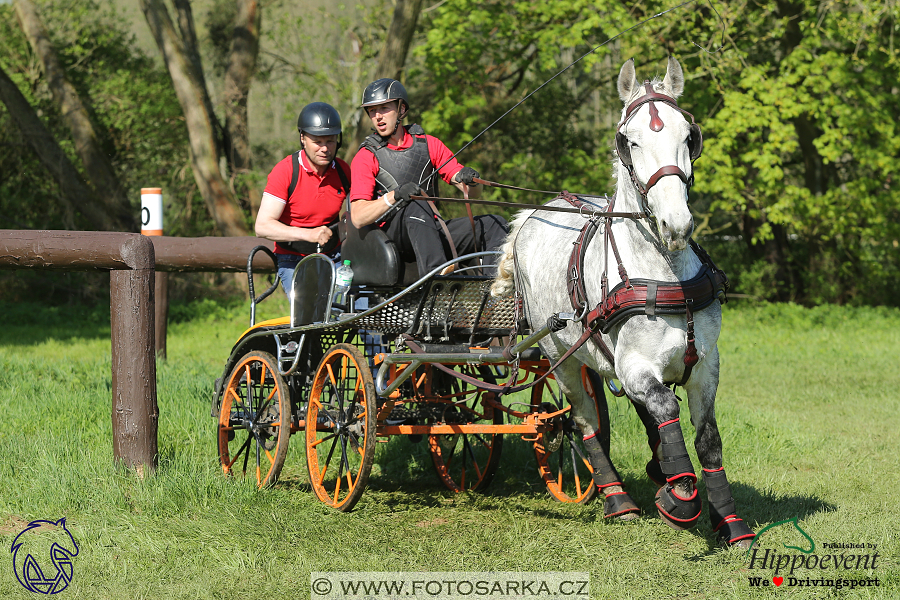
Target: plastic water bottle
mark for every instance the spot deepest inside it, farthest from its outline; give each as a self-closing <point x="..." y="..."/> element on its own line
<point x="343" y="278"/>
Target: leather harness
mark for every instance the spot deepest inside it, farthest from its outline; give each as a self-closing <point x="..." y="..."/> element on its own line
<point x="638" y="296"/>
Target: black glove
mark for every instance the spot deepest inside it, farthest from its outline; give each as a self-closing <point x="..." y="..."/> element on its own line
<point x="402" y="194"/>
<point x="467" y="175"/>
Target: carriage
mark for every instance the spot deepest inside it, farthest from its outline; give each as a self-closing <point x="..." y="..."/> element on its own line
<point x="646" y="311"/>
<point x="422" y="360"/>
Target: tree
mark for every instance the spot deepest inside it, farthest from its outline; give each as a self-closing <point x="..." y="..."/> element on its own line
<point x="391" y="59"/>
<point x="181" y="56"/>
<point x="110" y="195"/>
<point x="74" y="192"/>
<point x="238" y="77"/>
<point x="799" y="111"/>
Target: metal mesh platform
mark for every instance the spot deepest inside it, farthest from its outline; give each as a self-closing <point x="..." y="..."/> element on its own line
<point x="446" y="305"/>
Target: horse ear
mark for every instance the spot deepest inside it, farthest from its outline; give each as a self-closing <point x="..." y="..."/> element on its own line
<point x="674" y="80"/>
<point x="627" y="81"/>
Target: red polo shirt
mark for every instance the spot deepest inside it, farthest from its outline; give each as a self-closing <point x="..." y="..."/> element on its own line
<point x="316" y="200"/>
<point x="365" y="166"/>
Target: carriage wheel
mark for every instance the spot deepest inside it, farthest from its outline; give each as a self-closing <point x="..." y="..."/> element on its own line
<point x="468" y="461"/>
<point x="562" y="459"/>
<point x="340" y="427"/>
<point x="254" y="419"/>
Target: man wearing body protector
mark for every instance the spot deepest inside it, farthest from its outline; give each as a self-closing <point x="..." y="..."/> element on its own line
<point x="393" y="164"/>
<point x="305" y="191"/>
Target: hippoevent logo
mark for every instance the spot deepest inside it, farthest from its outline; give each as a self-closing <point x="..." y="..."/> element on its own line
<point x="42" y="556"/>
<point x="837" y="566"/>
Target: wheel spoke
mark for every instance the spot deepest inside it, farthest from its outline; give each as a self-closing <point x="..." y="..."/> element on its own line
<point x="237" y="454"/>
<point x="328" y="458"/>
<point x="471" y="453"/>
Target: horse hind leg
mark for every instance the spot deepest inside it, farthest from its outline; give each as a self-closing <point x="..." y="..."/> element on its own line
<point x="617" y="502"/>
<point x="653" y="470"/>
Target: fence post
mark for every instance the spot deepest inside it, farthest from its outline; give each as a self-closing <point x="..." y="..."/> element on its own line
<point x="135" y="412"/>
<point x="152" y="224"/>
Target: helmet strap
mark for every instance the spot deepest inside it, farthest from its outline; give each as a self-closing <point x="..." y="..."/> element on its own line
<point x="401" y="114"/>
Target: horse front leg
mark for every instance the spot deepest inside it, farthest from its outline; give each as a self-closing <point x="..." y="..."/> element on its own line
<point x="730" y="529"/>
<point x="677" y="500"/>
<point x="617" y="502"/>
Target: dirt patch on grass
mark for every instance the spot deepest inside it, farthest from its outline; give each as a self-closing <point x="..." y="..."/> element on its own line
<point x="13" y="524"/>
<point x="432" y="523"/>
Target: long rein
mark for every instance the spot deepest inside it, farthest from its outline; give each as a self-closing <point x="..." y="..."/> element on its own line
<point x="555" y="323"/>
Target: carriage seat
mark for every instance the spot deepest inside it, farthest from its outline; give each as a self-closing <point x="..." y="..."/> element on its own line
<point x="375" y="258"/>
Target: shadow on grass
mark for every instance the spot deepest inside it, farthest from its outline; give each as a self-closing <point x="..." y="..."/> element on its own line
<point x="30" y="324"/>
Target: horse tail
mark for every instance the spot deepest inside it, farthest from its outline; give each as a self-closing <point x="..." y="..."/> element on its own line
<point x="504" y="282"/>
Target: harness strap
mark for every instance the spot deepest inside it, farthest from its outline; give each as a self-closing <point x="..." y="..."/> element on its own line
<point x="443" y="225"/>
<point x="647" y="297"/>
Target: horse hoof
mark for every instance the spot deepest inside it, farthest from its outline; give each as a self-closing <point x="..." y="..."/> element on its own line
<point x="677" y="512"/>
<point x="735" y="533"/>
<point x="621" y="506"/>
<point x="742" y="544"/>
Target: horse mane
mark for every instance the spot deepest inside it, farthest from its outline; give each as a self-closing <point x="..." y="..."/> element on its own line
<point x="504" y="282"/>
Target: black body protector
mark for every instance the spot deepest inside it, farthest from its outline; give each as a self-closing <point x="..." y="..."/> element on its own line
<point x="396" y="167"/>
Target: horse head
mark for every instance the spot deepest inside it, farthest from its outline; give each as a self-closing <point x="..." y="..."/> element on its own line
<point x="654" y="141"/>
<point x="43" y="562"/>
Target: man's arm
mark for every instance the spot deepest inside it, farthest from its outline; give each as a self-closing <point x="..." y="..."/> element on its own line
<point x="364" y="209"/>
<point x="268" y="226"/>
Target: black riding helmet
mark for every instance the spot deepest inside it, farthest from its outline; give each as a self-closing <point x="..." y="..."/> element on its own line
<point x="320" y="118"/>
<point x="384" y="90"/>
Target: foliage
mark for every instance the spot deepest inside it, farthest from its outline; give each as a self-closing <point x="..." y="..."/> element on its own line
<point x="803" y="142"/>
<point x="131" y="100"/>
<point x="799" y="111"/>
<point x="480" y="58"/>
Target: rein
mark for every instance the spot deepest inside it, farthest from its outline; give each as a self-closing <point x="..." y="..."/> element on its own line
<point x="586" y="211"/>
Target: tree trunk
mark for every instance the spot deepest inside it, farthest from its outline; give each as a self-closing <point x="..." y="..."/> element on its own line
<point x="99" y="169"/>
<point x="73" y="192"/>
<point x="238" y="76"/>
<point x="391" y="60"/>
<point x="199" y="118"/>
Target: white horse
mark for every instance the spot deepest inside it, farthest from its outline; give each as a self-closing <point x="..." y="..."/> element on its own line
<point x="649" y="348"/>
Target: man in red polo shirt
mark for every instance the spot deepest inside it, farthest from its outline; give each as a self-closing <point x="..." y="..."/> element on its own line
<point x="305" y="192"/>
<point x="392" y="164"/>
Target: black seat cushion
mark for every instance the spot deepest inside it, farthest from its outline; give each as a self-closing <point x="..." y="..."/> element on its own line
<point x="373" y="257"/>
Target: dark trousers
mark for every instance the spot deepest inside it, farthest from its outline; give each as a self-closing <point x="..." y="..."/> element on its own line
<point x="418" y="234"/>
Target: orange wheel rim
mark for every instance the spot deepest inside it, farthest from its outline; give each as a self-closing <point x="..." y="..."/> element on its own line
<point x="251" y="418"/>
<point x="562" y="460"/>
<point x="339" y="428"/>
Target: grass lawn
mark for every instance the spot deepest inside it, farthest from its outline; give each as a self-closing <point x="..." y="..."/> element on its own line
<point x="808" y="408"/>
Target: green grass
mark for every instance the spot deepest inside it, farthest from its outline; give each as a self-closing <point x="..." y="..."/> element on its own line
<point x="808" y="409"/>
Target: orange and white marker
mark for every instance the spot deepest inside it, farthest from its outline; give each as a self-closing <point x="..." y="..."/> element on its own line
<point x="151" y="211"/>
